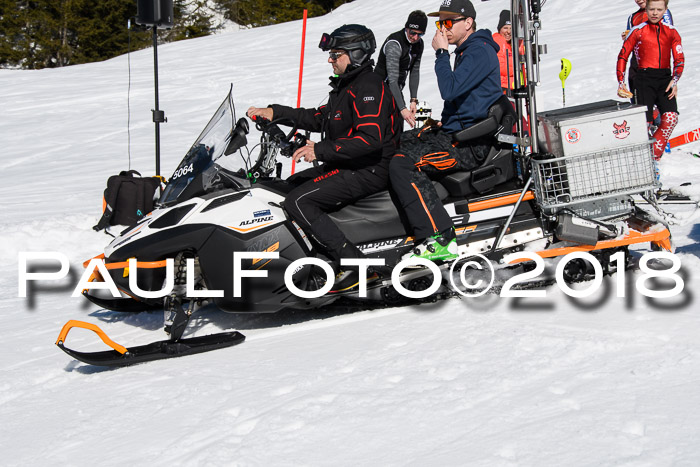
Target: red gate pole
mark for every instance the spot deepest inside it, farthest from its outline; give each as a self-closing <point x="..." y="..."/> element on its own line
<point x="301" y="71"/>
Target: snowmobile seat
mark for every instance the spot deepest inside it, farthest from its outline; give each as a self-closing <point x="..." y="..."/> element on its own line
<point x="498" y="165"/>
<point x="374" y="217"/>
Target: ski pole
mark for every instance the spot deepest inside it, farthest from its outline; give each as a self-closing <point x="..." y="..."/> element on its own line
<point x="563" y="74"/>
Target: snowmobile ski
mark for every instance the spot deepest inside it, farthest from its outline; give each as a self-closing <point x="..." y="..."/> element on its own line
<point x="121" y="356"/>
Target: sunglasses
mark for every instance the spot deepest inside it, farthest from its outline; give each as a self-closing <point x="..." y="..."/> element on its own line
<point x="336" y="55"/>
<point x="448" y="23"/>
<point x="415" y="33"/>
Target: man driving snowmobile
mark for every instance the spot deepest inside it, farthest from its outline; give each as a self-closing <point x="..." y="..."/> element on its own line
<point x="360" y="127"/>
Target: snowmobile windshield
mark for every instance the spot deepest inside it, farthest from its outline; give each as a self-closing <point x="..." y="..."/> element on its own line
<point x="211" y="159"/>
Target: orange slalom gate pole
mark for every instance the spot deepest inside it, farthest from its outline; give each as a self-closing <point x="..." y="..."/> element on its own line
<point x="301" y="71"/>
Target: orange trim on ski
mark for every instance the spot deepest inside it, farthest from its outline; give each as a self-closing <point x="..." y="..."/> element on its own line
<point x="498" y="202"/>
<point x="90" y="327"/>
<point x="662" y="238"/>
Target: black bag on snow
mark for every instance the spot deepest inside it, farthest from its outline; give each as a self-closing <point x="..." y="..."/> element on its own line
<point x="127" y="199"/>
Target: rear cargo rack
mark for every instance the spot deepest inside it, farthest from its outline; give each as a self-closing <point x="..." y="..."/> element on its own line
<point x="565" y="181"/>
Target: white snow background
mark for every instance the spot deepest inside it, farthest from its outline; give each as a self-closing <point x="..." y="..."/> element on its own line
<point x="504" y="382"/>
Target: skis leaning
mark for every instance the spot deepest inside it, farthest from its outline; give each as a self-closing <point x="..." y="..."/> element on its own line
<point x="685" y="138"/>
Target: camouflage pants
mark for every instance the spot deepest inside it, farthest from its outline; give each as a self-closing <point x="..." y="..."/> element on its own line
<point x="427" y="154"/>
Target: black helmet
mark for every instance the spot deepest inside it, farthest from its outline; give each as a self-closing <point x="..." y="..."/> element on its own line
<point x="355" y="38"/>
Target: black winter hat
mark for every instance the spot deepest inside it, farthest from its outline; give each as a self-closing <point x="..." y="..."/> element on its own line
<point x="461" y="7"/>
<point x="504" y="19"/>
<point x="417" y="20"/>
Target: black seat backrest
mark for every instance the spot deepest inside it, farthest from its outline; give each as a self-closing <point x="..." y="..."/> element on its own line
<point x="506" y="114"/>
<point x="498" y="166"/>
<point x="500" y="116"/>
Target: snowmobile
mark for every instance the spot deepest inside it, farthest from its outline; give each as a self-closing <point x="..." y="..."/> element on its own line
<point x="553" y="183"/>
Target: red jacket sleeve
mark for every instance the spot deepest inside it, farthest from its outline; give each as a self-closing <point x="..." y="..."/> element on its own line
<point x="678" y="57"/>
<point x="627" y="48"/>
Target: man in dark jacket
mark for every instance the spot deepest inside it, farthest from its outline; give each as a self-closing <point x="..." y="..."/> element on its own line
<point x="399" y="58"/>
<point x="360" y="128"/>
<point x="468" y="90"/>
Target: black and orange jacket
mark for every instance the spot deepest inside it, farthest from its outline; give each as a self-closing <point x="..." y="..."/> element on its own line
<point x="360" y="125"/>
<point x="653" y="46"/>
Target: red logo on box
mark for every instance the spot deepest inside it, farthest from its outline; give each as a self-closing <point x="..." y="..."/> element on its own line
<point x="573" y="135"/>
<point x="622" y="130"/>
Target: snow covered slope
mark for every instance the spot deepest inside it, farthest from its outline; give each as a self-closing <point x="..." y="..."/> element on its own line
<point x="600" y="381"/>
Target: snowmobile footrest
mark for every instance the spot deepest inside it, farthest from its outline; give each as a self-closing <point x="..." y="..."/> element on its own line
<point x="122" y="356"/>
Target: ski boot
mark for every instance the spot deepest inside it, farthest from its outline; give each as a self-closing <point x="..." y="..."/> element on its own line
<point x="442" y="246"/>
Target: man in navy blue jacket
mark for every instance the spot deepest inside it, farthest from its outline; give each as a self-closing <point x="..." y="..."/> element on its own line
<point x="468" y="90"/>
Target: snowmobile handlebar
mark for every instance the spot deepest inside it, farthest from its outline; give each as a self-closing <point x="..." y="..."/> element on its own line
<point x="289" y="142"/>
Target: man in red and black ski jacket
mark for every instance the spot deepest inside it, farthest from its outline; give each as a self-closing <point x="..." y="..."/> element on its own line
<point x="360" y="128"/>
<point x="654" y="44"/>
<point x="358" y="124"/>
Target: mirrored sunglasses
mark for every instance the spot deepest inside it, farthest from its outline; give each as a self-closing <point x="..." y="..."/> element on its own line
<point x="336" y="55"/>
<point x="448" y="23"/>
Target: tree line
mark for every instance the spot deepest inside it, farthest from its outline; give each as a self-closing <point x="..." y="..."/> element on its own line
<point x="37" y="34"/>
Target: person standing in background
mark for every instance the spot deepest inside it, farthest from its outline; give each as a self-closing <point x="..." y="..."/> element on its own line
<point x="654" y="44"/>
<point x="503" y="38"/>
<point x="634" y="20"/>
<point x="399" y="58"/>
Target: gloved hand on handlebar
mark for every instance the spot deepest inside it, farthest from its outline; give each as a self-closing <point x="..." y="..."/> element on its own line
<point x="264" y="112"/>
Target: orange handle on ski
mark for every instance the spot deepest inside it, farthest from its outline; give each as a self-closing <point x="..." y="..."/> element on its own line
<point x="91" y="327"/>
